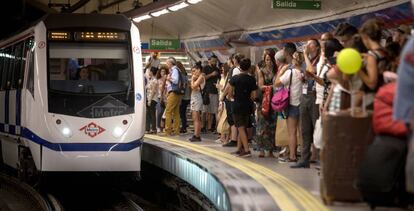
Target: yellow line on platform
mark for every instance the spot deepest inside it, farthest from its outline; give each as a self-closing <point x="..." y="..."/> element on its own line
<point x="279" y="187"/>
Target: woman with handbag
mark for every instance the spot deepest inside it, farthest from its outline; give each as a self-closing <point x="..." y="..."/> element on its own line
<point x="266" y="124"/>
<point x="292" y="78"/>
<point x="223" y="127"/>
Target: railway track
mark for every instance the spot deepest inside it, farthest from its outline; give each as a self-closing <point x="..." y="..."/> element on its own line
<point x="16" y="195"/>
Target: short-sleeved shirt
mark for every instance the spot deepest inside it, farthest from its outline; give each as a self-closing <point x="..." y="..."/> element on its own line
<point x="210" y="87"/>
<point x="236" y="71"/>
<point x="295" y="87"/>
<point x="154" y="63"/>
<point x="321" y="70"/>
<point x="404" y="100"/>
<point x="243" y="86"/>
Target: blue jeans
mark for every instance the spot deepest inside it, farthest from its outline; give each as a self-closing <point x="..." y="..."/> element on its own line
<point x="183" y="113"/>
<point x="160" y="110"/>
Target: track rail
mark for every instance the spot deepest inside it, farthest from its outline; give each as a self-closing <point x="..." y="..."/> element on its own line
<point x="25" y="196"/>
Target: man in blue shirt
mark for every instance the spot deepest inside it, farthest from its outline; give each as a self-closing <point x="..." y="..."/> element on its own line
<point x="172" y="109"/>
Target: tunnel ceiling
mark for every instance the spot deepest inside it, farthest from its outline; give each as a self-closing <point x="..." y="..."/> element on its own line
<point x="215" y="17"/>
<point x="207" y="18"/>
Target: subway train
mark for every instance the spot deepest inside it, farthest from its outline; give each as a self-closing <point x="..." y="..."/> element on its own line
<point x="72" y="96"/>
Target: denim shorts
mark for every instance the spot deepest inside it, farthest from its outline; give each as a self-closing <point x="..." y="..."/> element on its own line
<point x="293" y="111"/>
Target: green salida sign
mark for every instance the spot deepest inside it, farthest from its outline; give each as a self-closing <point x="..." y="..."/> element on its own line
<point x="292" y="4"/>
<point x="164" y="44"/>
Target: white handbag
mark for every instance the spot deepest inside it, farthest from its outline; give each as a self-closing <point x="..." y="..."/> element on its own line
<point x="317" y="133"/>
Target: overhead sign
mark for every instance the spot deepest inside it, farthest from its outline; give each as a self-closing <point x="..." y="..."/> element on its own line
<point x="164" y="44"/>
<point x="292" y="4"/>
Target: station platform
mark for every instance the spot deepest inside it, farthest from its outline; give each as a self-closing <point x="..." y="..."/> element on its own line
<point x="251" y="183"/>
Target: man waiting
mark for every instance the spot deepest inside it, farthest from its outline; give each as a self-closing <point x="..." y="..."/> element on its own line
<point x="212" y="75"/>
<point x="172" y="109"/>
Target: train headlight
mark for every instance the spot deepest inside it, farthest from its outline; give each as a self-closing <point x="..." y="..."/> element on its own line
<point x="66" y="132"/>
<point x="118" y="132"/>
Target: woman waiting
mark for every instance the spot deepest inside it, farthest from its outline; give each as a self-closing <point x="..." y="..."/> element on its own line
<point x="292" y="77"/>
<point x="266" y="125"/>
<point x="196" y="105"/>
<point x="372" y="76"/>
<point x="152" y="100"/>
<point x="223" y="126"/>
<point x="162" y="96"/>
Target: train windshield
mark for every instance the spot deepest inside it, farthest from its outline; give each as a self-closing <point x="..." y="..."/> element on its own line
<point x="91" y="80"/>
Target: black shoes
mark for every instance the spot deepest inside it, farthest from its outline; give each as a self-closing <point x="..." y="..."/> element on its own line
<point x="300" y="165"/>
<point x="195" y="139"/>
<point x="230" y="144"/>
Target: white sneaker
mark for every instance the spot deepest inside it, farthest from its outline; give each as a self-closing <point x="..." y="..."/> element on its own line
<point x="218" y="141"/>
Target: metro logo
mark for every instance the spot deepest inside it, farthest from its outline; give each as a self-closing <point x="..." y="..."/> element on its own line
<point x="92" y="129"/>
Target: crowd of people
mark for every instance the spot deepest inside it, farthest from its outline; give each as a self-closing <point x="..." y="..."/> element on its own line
<point x="234" y="99"/>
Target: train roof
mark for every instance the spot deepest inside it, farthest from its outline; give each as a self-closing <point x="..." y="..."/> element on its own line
<point x="102" y="21"/>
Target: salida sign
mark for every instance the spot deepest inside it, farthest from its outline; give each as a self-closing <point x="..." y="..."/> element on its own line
<point x="303" y="5"/>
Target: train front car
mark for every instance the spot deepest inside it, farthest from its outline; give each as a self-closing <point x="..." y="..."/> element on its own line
<point x="88" y="110"/>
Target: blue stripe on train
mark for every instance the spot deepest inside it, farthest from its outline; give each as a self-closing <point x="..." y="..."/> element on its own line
<point x="79" y="147"/>
<point x="6" y="107"/>
<point x="12" y="129"/>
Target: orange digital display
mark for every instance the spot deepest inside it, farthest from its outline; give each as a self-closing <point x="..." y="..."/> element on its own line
<point x="59" y="36"/>
<point x="100" y="36"/>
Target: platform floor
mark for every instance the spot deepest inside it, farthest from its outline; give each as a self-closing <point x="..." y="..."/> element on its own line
<point x="308" y="179"/>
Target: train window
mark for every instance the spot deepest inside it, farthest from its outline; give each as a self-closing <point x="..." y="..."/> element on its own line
<point x="105" y="66"/>
<point x="11" y="67"/>
<point x="5" y="68"/>
<point x="91" y="80"/>
<point x="19" y="67"/>
<point x="17" y="63"/>
<point x="30" y="59"/>
<point x="1" y="66"/>
<point x="30" y="78"/>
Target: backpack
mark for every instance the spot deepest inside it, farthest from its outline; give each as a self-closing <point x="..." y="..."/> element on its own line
<point x="383" y="60"/>
<point x="182" y="84"/>
<point x="383" y="64"/>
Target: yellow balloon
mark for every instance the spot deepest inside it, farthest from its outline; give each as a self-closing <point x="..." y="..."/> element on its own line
<point x="349" y="61"/>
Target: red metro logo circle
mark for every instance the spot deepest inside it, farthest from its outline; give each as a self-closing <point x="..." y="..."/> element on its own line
<point x="92" y="129"/>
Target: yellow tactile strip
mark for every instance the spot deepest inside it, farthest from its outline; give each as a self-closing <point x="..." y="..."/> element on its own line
<point x="287" y="195"/>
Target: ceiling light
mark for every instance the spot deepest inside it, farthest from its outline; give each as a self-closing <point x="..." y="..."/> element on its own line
<point x="194" y="1"/>
<point x="159" y="13"/>
<point x="178" y="6"/>
<point x="141" y="18"/>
